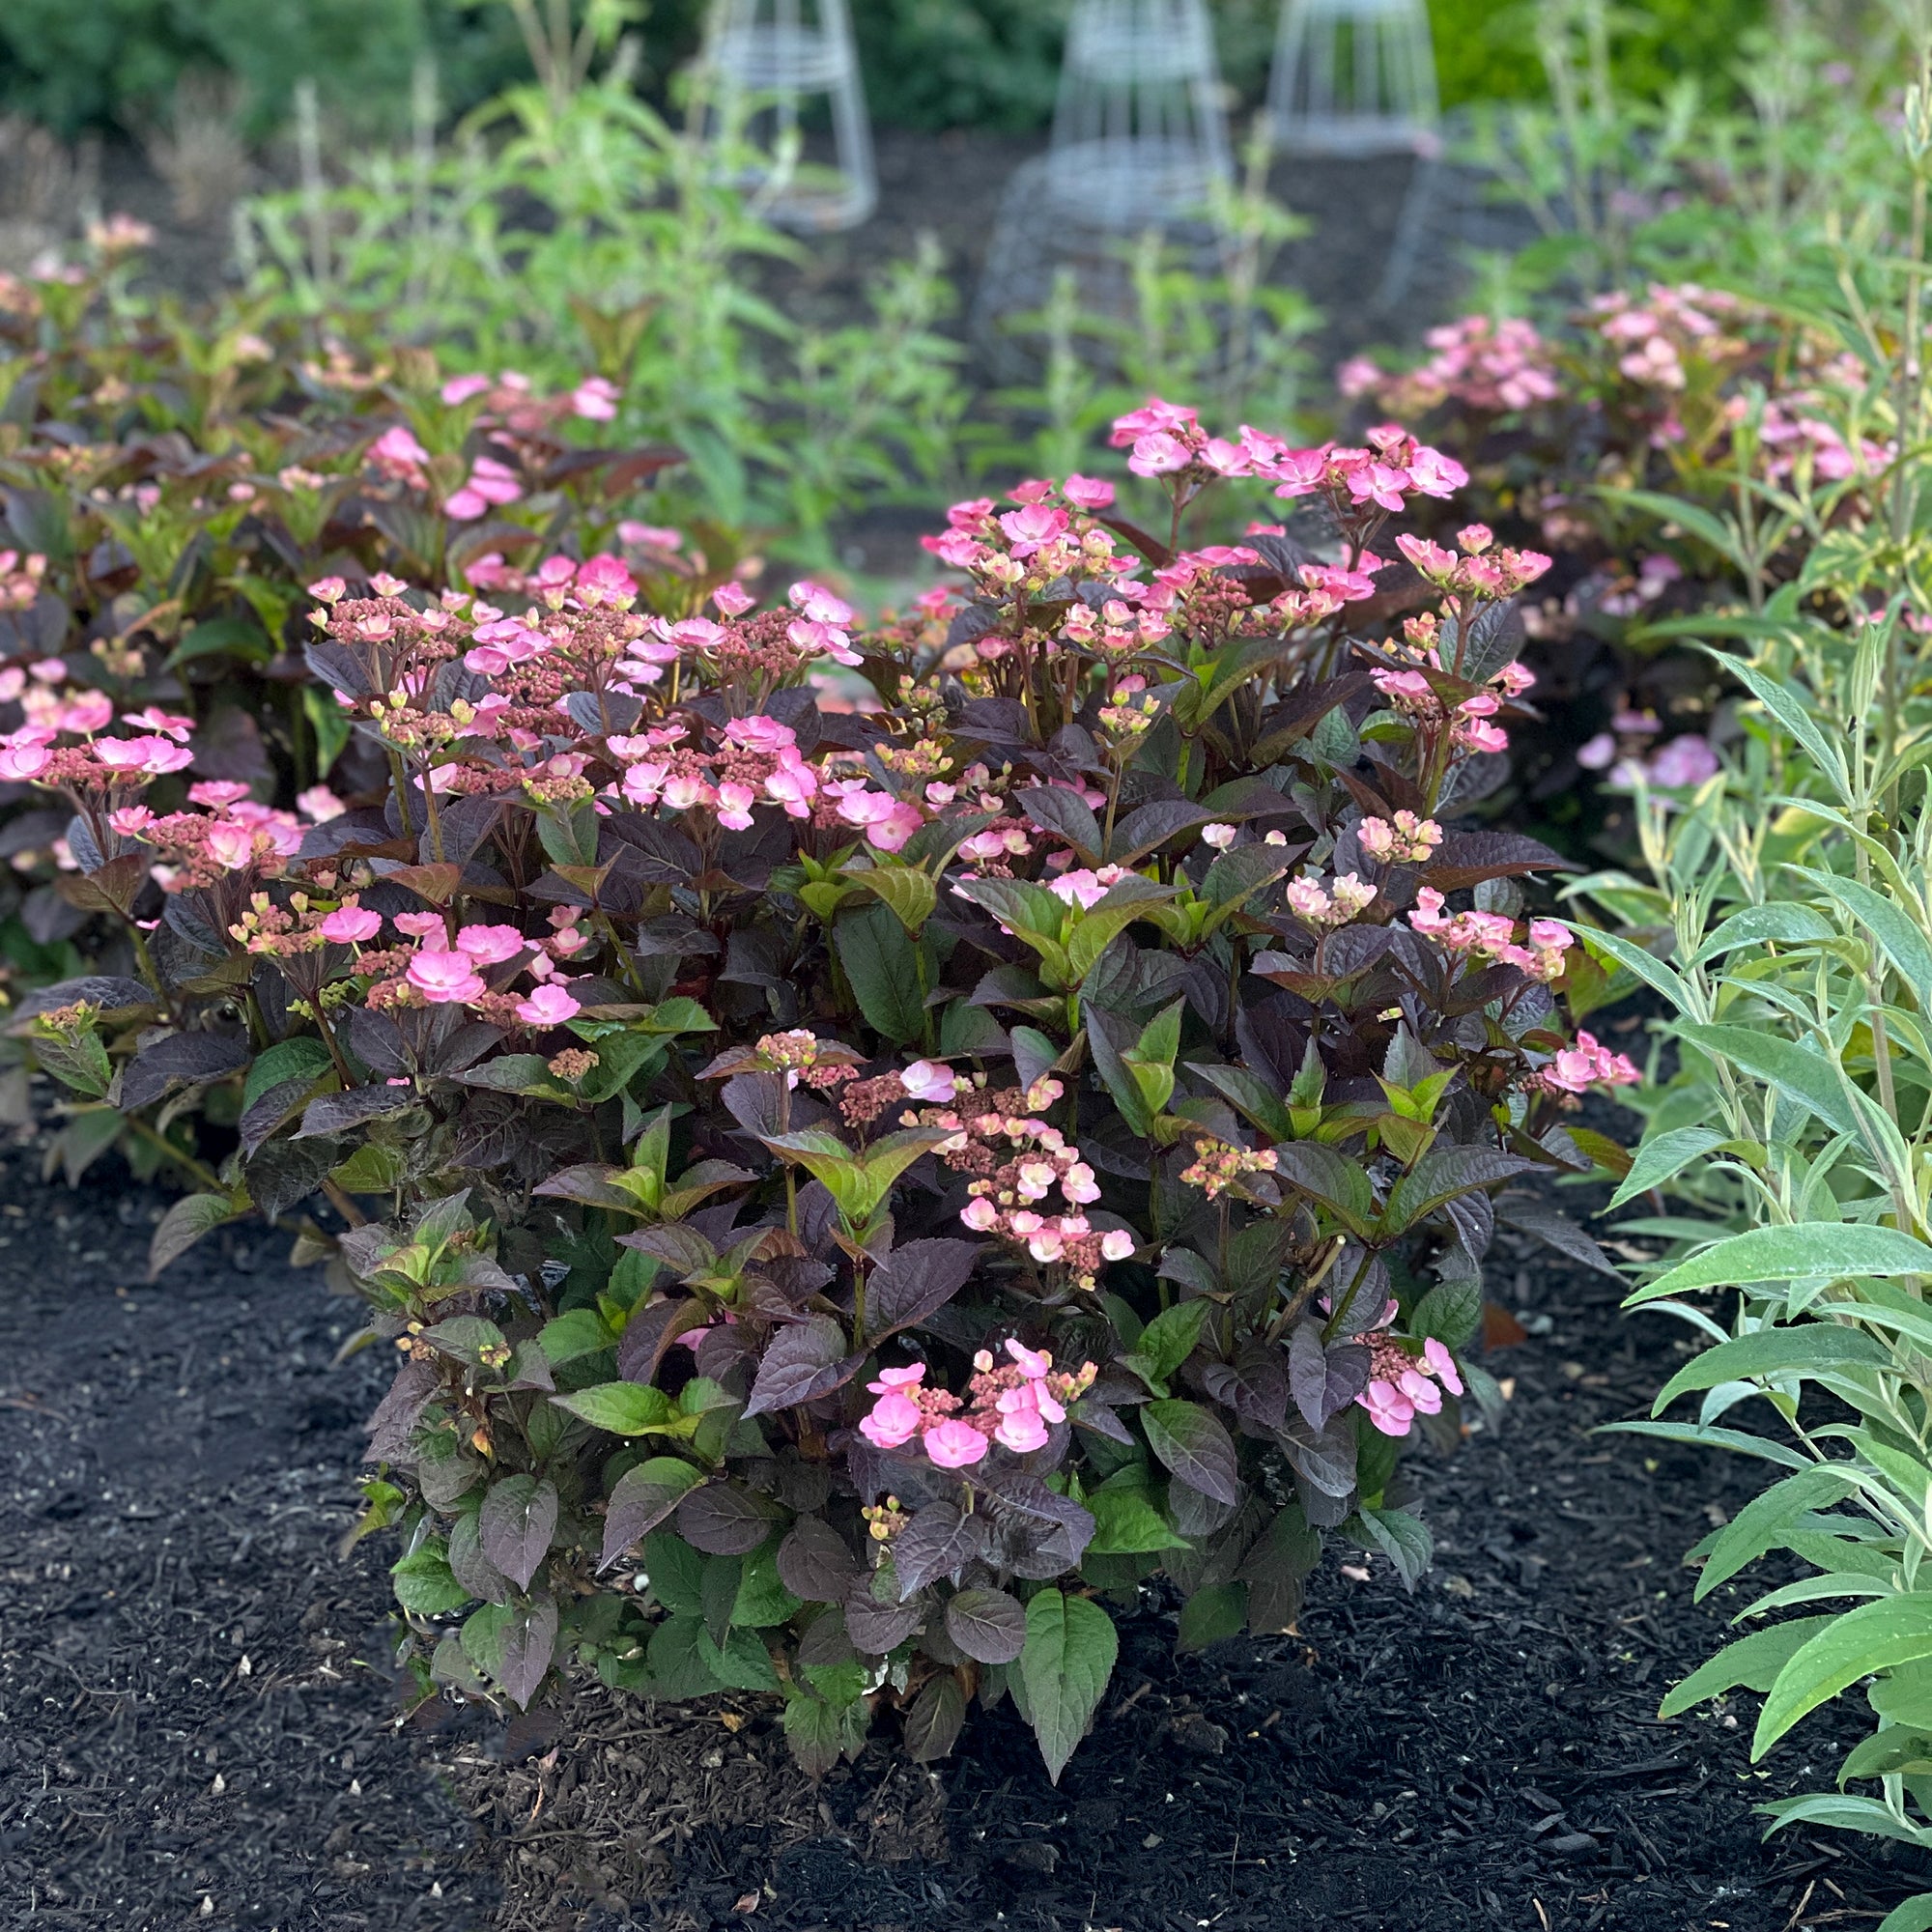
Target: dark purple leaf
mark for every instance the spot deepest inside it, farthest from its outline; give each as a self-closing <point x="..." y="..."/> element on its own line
<point x="682" y="1248"/>
<point x="283" y="1174"/>
<point x="933" y="1724"/>
<point x="876" y="1628"/>
<point x="723" y="1519"/>
<point x="1066" y="815"/>
<point x="186" y="1059"/>
<point x="755" y="1101"/>
<point x="397" y="1414"/>
<point x="1465" y="859"/>
<point x="815" y="1563"/>
<point x="825" y="1640"/>
<point x="374" y="1039"/>
<point x="1042" y="1533"/>
<point x="1537" y="1217"/>
<point x="1141" y="830"/>
<point x="1195" y="1446"/>
<point x="803" y="1363"/>
<point x="988" y="1625"/>
<point x="1193" y="1514"/>
<point x="650" y="1331"/>
<point x="113" y="994"/>
<point x="915" y="1281"/>
<point x="1274" y="1567"/>
<point x="338" y="1113"/>
<point x="643" y="1496"/>
<point x="1254" y="1384"/>
<point x="938" y="1542"/>
<point x="528" y="1641"/>
<point x="518" y="1521"/>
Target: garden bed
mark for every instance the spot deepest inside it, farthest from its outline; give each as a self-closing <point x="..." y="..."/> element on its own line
<point x="194" y="1702"/>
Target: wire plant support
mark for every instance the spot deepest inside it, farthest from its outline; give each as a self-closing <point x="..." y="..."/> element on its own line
<point x="769" y="66"/>
<point x="1139" y="149"/>
<point x="1355" y="77"/>
<point x="1139" y="135"/>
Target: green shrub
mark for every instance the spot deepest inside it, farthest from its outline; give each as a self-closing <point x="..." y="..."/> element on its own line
<point x="116" y="62"/>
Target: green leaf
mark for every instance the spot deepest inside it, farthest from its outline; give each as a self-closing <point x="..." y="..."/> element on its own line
<point x="1789" y="924"/>
<point x="741" y="1663"/>
<point x="1250" y="1095"/>
<point x="1661" y="1157"/>
<point x="1914" y="1916"/>
<point x="304" y="1056"/>
<point x="1216" y="1612"/>
<point x="1166" y="1341"/>
<point x="1402" y="1538"/>
<point x="883" y="966"/>
<point x="1114" y="914"/>
<point x="425" y="1585"/>
<point x="1753" y="1662"/>
<point x="676" y="1572"/>
<point x="1707" y="529"/>
<point x="1875" y="1636"/>
<point x="911" y="892"/>
<point x="1127" y="1520"/>
<point x="678" y="1667"/>
<point x="1106" y="1032"/>
<point x="192" y="1217"/>
<point x="1809" y="1250"/>
<point x="1805" y="1349"/>
<point x="624" y="1409"/>
<point x="1452" y="1311"/>
<point x="1784" y="703"/>
<point x="1763" y="1523"/>
<point x="819" y="1734"/>
<point x="1069" y="1653"/>
<point x="1645" y="966"/>
<point x="1706" y="1435"/>
<point x="1894" y="929"/>
<point x="1800" y="1072"/>
<point x="567" y="1338"/>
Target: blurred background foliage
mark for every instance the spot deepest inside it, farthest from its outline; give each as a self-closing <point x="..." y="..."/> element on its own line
<point x="930" y="64"/>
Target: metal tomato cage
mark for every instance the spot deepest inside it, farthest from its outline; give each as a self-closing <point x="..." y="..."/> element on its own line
<point x="1353" y="77"/>
<point x="767" y="62"/>
<point x="1139" y="143"/>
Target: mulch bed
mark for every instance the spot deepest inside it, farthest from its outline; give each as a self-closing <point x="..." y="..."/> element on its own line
<point x="199" y="1724"/>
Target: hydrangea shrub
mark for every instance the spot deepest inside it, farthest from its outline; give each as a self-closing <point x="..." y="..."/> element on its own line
<point x="868" y="1145"/>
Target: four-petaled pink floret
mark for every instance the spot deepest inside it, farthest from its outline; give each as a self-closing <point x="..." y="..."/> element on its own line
<point x="444" y="978"/>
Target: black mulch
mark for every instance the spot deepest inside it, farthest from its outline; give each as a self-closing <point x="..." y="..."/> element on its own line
<point x="197" y="1715"/>
<point x="198" y="1724"/>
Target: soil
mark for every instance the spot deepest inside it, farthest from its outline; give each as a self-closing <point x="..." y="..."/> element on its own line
<point x="199" y="1725"/>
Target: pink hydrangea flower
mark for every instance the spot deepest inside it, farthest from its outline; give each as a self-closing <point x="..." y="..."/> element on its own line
<point x="445" y="979"/>
<point x="953" y="1444"/>
<point x="897" y="1418"/>
<point x="547" y="1006"/>
<point x="490" y="944"/>
<point x="352" y="925"/>
<point x="1441" y="1365"/>
<point x="929" y="1081"/>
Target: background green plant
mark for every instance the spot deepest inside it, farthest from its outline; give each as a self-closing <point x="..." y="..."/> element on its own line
<point x="1786" y="925"/>
<point x="930" y="64"/>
